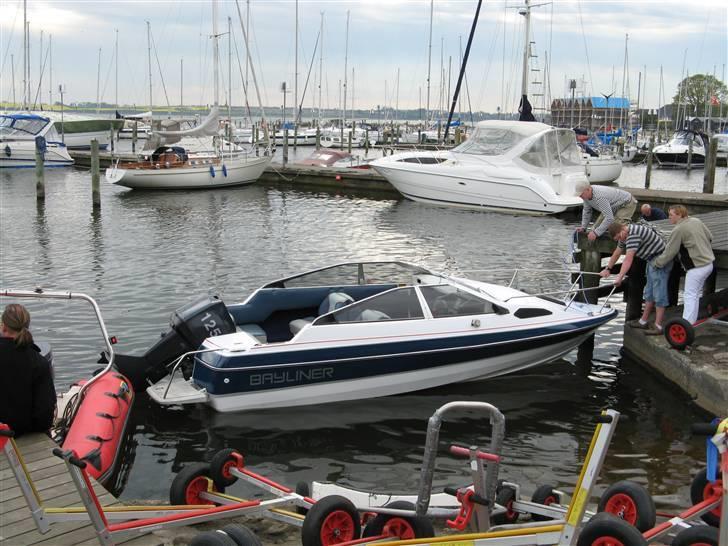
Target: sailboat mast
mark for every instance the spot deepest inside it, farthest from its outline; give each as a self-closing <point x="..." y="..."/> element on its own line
<point x="624" y="78"/>
<point x="40" y="68"/>
<point x="524" y="74"/>
<point x="346" y="68"/>
<point x="429" y="62"/>
<point x="50" y="71"/>
<point x="98" y="84"/>
<point x="116" y="69"/>
<point x="230" y="69"/>
<point x="149" y="62"/>
<point x="215" y="53"/>
<point x="25" y="54"/>
<point x="295" y="74"/>
<point x="321" y="63"/>
<point x="12" y="70"/>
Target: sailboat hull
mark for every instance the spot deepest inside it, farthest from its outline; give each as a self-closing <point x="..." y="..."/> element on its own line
<point x="212" y="174"/>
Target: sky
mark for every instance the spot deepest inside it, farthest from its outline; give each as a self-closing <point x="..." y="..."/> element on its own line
<point x="387" y="55"/>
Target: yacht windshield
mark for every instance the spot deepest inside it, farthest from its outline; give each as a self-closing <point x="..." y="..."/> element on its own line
<point x="556" y="147"/>
<point x="490" y="141"/>
<point x="21" y="127"/>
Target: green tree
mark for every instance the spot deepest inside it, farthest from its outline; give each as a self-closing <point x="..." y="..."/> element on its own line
<point x="698" y="92"/>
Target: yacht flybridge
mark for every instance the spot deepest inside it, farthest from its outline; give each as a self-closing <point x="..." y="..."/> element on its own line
<point x="354" y="331"/>
<point x="511" y="166"/>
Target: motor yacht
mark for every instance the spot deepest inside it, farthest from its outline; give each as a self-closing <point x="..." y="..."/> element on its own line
<point x="509" y="166"/>
<point x="19" y="136"/>
<point x="354" y="331"/>
<point x="675" y="153"/>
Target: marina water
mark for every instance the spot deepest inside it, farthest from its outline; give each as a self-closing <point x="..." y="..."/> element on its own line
<point x="146" y="253"/>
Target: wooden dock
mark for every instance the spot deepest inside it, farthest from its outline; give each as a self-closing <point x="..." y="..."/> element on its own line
<point x="55" y="487"/>
<point x="700" y="373"/>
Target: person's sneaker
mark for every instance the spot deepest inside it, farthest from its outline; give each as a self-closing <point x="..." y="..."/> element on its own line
<point x="637" y="324"/>
<point x="653" y="331"/>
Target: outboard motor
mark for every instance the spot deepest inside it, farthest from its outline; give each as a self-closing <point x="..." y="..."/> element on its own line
<point x="190" y="325"/>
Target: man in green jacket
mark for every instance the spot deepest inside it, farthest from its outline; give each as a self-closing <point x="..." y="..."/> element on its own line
<point x="691" y="239"/>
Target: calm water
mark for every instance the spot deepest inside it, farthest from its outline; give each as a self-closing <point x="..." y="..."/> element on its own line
<point x="147" y="253"/>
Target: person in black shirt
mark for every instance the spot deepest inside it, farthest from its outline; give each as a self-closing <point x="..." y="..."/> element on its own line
<point x="652" y="214"/>
<point x="27" y="394"/>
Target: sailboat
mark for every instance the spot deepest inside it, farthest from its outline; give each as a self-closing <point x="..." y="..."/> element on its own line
<point x="175" y="167"/>
<point x="509" y="166"/>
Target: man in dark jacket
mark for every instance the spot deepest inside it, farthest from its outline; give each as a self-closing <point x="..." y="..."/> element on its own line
<point x="652" y="214"/>
<point x="27" y="394"/>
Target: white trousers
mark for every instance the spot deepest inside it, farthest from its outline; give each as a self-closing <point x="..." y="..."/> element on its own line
<point x="694" y="281"/>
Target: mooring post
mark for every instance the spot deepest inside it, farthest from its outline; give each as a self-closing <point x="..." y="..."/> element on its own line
<point x="710" y="162"/>
<point x="634" y="289"/>
<point x="349" y="145"/>
<point x="689" y="166"/>
<point x="318" y="137"/>
<point x="591" y="262"/>
<point x="419" y="136"/>
<point x="285" y="147"/>
<point x="366" y="141"/>
<point x="648" y="171"/>
<point x="111" y="138"/>
<point x="134" y="132"/>
<point x="95" y="175"/>
<point x="39" y="173"/>
<point x="458" y="136"/>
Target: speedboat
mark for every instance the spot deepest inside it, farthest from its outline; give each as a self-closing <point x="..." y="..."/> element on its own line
<point x="355" y="331"/>
<point x="675" y="153"/>
<point x="509" y="166"/>
<point x="603" y="168"/>
<point x="173" y="167"/>
<point x="21" y="133"/>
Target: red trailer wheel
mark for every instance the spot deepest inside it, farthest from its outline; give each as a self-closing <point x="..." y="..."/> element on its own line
<point x="331" y="520"/>
<point x="702" y="489"/>
<point x="606" y="529"/>
<point x="697" y="536"/>
<point x="545" y="495"/>
<point x="189" y="482"/>
<point x="631" y="502"/>
<point x="679" y="333"/>
<point x="399" y="527"/>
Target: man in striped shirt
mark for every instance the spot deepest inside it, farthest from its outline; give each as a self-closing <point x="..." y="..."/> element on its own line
<point x="612" y="203"/>
<point x="643" y="242"/>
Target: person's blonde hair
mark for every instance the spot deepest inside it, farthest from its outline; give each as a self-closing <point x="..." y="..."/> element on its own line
<point x="680" y="210"/>
<point x="17" y="318"/>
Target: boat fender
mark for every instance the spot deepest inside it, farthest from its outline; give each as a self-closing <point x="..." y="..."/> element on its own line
<point x="224" y="171"/>
<point x="212" y="171"/>
<point x="8" y="151"/>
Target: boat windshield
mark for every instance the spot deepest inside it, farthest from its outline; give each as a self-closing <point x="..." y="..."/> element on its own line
<point x="490" y="141"/>
<point x="20" y="127"/>
<point x="353" y="274"/>
<point x="553" y="148"/>
<point x="397" y="304"/>
<point x="684" y="139"/>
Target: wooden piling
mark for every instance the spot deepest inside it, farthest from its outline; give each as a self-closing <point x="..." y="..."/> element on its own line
<point x="39" y="174"/>
<point x="458" y="136"/>
<point x="285" y="147"/>
<point x="95" y="174"/>
<point x="318" y="137"/>
<point x="591" y="262"/>
<point x="366" y="141"/>
<point x="111" y="138"/>
<point x="689" y="166"/>
<point x="710" y="162"/>
<point x="650" y="155"/>
<point x="349" y="145"/>
<point x="134" y="132"/>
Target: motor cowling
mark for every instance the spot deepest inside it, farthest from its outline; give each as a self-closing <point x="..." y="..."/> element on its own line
<point x="190" y="325"/>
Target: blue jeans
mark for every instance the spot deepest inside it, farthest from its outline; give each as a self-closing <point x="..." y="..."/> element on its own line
<point x="656" y="287"/>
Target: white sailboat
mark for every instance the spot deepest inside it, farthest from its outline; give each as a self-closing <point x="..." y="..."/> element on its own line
<point x="174" y="167"/>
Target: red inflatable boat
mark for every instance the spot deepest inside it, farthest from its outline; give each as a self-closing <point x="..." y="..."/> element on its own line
<point x="98" y="426"/>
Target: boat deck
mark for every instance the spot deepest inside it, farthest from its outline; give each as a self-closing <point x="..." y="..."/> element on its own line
<point x="54" y="485"/>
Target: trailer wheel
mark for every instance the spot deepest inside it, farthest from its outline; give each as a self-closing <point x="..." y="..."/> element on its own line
<point x="506" y="496"/>
<point x="631" y="502"/>
<point x="399" y="527"/>
<point x="241" y="535"/>
<point x="332" y="520"/>
<point x="702" y="489"/>
<point x="606" y="529"/>
<point x="212" y="538"/>
<point x="220" y="465"/>
<point x="679" y="333"/>
<point x="545" y="495"/>
<point x="701" y="535"/>
<point x="189" y="483"/>
<point x="303" y="489"/>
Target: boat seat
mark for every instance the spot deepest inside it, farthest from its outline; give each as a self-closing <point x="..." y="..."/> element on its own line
<point x="254" y="330"/>
<point x="372" y="315"/>
<point x="332" y="302"/>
